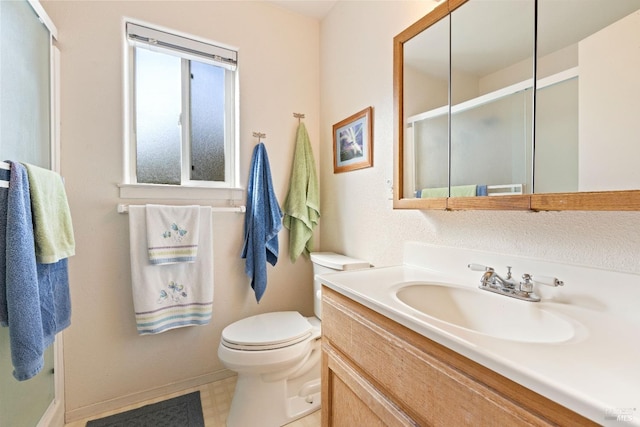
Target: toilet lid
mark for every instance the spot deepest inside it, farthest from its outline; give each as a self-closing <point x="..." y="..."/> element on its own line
<point x="267" y="331"/>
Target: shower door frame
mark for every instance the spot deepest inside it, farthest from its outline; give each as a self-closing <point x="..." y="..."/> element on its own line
<point x="54" y="416"/>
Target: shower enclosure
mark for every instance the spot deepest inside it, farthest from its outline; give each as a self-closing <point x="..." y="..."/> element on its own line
<point x="28" y="133"/>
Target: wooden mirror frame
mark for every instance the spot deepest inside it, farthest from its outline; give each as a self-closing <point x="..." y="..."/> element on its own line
<point x="625" y="200"/>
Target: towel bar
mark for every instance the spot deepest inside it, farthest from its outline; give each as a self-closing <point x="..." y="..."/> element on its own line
<point x="124" y="209"/>
<point x="4" y="183"/>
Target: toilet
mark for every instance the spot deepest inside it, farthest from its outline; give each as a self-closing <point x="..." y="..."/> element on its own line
<point x="277" y="357"/>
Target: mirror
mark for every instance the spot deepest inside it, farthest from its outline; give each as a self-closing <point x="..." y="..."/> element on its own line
<point x="492" y="51"/>
<point x="587" y="104"/>
<point x="575" y="152"/>
<point x="426" y="95"/>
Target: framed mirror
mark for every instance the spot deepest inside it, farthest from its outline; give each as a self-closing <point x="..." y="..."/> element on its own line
<point x="515" y="130"/>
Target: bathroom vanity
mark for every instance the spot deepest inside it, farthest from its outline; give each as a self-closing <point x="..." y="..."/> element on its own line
<point x="377" y="372"/>
<point x="390" y="358"/>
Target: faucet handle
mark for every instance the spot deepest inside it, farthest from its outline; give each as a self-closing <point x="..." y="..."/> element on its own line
<point x="527" y="284"/>
<point x="548" y="281"/>
<point x="479" y="267"/>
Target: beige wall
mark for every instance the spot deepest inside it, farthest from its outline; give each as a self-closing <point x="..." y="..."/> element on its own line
<point x="281" y="72"/>
<point x="356" y="54"/>
<point x="105" y="359"/>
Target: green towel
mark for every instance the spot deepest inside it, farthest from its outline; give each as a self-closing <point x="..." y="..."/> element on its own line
<point x="52" y="227"/>
<point x="434" y="192"/>
<point x="456" y="191"/>
<point x="302" y="205"/>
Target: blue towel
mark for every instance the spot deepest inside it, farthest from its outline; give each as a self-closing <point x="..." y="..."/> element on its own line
<point x="55" y="301"/>
<point x="262" y="222"/>
<point x="4" y="192"/>
<point x="23" y="313"/>
<point x="34" y="297"/>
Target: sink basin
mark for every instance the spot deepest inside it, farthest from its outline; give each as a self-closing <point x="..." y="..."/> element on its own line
<point x="490" y="314"/>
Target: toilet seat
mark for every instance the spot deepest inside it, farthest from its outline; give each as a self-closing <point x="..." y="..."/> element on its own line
<point x="268" y="331"/>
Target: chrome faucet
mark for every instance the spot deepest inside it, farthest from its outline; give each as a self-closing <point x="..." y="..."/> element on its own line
<point x="493" y="282"/>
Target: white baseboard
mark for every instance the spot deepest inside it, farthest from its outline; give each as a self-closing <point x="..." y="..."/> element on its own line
<point x="130" y="399"/>
<point x="54" y="416"/>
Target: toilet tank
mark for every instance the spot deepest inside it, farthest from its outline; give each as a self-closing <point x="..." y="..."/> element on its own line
<point x="329" y="262"/>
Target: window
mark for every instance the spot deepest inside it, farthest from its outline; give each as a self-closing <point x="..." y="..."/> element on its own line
<point x="182" y="110"/>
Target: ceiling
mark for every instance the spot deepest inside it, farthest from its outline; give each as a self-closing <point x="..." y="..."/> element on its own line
<point x="313" y="8"/>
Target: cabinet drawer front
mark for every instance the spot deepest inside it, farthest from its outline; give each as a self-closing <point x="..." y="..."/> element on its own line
<point x="428" y="389"/>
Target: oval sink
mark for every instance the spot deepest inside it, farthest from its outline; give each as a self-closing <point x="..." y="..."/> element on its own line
<point x="490" y="314"/>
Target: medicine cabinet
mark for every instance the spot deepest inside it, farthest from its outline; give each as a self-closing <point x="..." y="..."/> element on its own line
<point x="520" y="104"/>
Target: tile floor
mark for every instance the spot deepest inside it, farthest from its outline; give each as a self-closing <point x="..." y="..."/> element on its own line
<point x="216" y="399"/>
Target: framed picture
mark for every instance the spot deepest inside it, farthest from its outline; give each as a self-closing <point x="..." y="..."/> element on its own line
<point x="353" y="142"/>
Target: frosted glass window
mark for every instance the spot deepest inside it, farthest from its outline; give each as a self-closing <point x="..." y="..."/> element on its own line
<point x="158" y="108"/>
<point x="182" y="124"/>
<point x="207" y="122"/>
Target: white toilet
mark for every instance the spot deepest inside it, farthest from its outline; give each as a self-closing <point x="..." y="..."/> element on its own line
<point x="277" y="358"/>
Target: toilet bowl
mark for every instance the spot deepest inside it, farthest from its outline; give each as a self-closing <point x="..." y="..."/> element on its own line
<point x="277" y="358"/>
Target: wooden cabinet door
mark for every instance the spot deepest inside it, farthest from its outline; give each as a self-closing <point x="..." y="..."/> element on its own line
<point x="350" y="400"/>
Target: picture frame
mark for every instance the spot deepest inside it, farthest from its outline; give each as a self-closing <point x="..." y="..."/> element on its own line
<point x="353" y="142"/>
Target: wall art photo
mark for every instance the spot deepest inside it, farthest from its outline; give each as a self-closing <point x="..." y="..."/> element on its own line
<point x="353" y="142"/>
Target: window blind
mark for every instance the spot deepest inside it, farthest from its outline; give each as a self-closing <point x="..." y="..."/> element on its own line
<point x="181" y="46"/>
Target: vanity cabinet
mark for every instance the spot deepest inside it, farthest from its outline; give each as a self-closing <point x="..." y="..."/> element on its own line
<point x="376" y="372"/>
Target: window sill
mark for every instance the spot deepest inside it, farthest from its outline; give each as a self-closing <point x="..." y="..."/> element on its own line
<point x="175" y="192"/>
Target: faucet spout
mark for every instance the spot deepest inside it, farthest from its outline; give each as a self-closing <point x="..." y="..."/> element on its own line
<point x="505" y="283"/>
<point x="492" y="279"/>
<point x="488" y="276"/>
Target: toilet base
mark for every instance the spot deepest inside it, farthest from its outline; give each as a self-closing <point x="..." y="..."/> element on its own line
<point x="257" y="402"/>
<point x="275" y="387"/>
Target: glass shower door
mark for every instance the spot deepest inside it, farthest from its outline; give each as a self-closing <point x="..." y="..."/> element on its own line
<point x="23" y="403"/>
<point x="25" y="136"/>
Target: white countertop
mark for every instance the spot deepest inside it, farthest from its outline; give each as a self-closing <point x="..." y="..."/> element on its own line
<point x="595" y="373"/>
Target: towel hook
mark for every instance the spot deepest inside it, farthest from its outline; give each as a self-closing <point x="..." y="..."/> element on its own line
<point x="259" y="135"/>
<point x="298" y="116"/>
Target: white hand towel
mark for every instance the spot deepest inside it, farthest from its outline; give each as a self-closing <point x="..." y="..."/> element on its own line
<point x="172" y="233"/>
<point x="172" y="295"/>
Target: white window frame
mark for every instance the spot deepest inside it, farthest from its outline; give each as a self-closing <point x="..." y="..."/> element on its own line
<point x="188" y="189"/>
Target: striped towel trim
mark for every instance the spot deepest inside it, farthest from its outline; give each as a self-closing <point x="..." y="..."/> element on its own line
<point x="175" y="316"/>
<point x="171" y="254"/>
